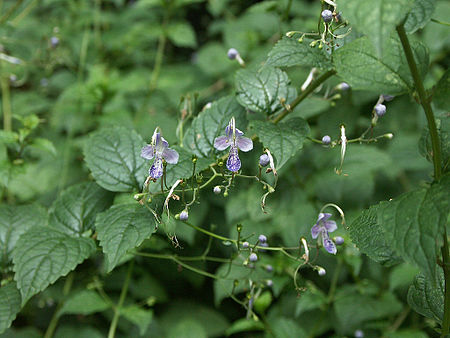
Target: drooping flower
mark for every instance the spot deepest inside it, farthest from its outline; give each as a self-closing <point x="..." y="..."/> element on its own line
<point x="234" y="139"/>
<point x="158" y="149"/>
<point x="322" y="227"/>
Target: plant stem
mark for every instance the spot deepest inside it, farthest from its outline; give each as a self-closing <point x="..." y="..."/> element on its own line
<point x="435" y="144"/>
<point x="6" y="103"/>
<point x="159" y="52"/>
<point x="304" y="95"/>
<point x="123" y="294"/>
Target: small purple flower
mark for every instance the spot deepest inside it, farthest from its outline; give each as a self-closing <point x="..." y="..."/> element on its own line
<point x="380" y="109"/>
<point x="343" y="86"/>
<point x="245" y="245"/>
<point x="264" y="160"/>
<point x="234" y="139"/>
<point x="339" y="240"/>
<point x="387" y="97"/>
<point x="322" y="272"/>
<point x="253" y="257"/>
<point x="54" y="41"/>
<point x="262" y="239"/>
<point x="232" y="53"/>
<point x="327" y="15"/>
<point x="217" y="190"/>
<point x="158" y="149"/>
<point x="184" y="215"/>
<point x="323" y="227"/>
<point x="326" y="139"/>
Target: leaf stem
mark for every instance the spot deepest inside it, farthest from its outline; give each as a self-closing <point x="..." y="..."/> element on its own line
<point x="123" y="294"/>
<point x="435" y="144"/>
<point x="304" y="95"/>
<point x="159" y="52"/>
<point x="6" y="102"/>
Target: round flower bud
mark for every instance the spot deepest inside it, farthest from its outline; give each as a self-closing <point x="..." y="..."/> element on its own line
<point x="264" y="160"/>
<point x="269" y="268"/>
<point x="380" y="109"/>
<point x="245" y="245"/>
<point x="54" y="41"/>
<point x="338" y="240"/>
<point x="322" y="272"/>
<point x="13" y="78"/>
<point x="387" y="97"/>
<point x="327" y="15"/>
<point x="217" y="190"/>
<point x="262" y="239"/>
<point x="184" y="215"/>
<point x="269" y="282"/>
<point x="359" y="334"/>
<point x="232" y="53"/>
<point x="343" y="86"/>
<point x="326" y="139"/>
<point x="253" y="257"/>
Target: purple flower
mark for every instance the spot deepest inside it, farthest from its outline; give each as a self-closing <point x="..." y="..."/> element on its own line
<point x="232" y="53"/>
<point x="323" y="227"/>
<point x="253" y="257"/>
<point x="184" y="215"/>
<point x="262" y="239"/>
<point x="158" y="149"/>
<point x="380" y="109"/>
<point x="264" y="160"/>
<point x="327" y="15"/>
<point x="326" y="139"/>
<point x="245" y="245"/>
<point x="54" y="41"/>
<point x="234" y="139"/>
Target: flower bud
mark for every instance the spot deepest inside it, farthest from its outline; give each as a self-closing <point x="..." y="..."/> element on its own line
<point x="327" y="15"/>
<point x="264" y="160"/>
<point x="343" y="86"/>
<point x="269" y="268"/>
<point x="338" y="240"/>
<point x="387" y="97"/>
<point x="232" y="53"/>
<point x="253" y="257"/>
<point x="262" y="239"/>
<point x="54" y="41"/>
<point x="269" y="283"/>
<point x="217" y="190"/>
<point x="380" y="109"/>
<point x="245" y="245"/>
<point x="359" y="334"/>
<point x="326" y="139"/>
<point x="321" y="271"/>
<point x="184" y="215"/>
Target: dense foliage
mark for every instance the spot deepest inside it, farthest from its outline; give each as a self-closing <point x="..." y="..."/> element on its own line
<point x="192" y="168"/>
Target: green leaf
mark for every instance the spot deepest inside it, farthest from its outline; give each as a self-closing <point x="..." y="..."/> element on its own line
<point x="75" y="209"/>
<point x="45" y="145"/>
<point x="375" y="18"/>
<point x="187" y="328"/>
<point x="414" y="222"/>
<point x="425" y="146"/>
<point x="9" y="305"/>
<point x="85" y="302"/>
<point x="313" y="298"/>
<point x="182" y="34"/>
<point x="114" y="157"/>
<point x="16" y="220"/>
<point x="261" y="91"/>
<point x="121" y="228"/>
<point x="357" y="64"/>
<point x="211" y="123"/>
<point x="368" y="235"/>
<point x="441" y="90"/>
<point x="138" y="316"/>
<point x="42" y="255"/>
<point x="283" y="139"/>
<point x="419" y="15"/>
<point x="244" y="325"/>
<point x="289" y="52"/>
<point x="286" y="328"/>
<point x="426" y="297"/>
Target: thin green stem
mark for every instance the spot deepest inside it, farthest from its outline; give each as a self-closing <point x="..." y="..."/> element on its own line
<point x="6" y="102"/>
<point x="159" y="52"/>
<point x="435" y="144"/>
<point x="304" y="95"/>
<point x="10" y="11"/>
<point x="123" y="294"/>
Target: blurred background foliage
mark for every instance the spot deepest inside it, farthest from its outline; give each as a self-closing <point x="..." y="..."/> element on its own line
<point x="88" y="64"/>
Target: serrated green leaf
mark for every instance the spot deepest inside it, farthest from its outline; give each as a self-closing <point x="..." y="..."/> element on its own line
<point x="84" y="303"/>
<point x="440" y="94"/>
<point x="75" y="209"/>
<point x="42" y="255"/>
<point x="357" y="64"/>
<point x="426" y="297"/>
<point x="261" y="91"/>
<point x="113" y="156"/>
<point x="186" y="328"/>
<point x="45" y="145"/>
<point x="414" y="222"/>
<point x="375" y="18"/>
<point x="368" y="235"/>
<point x="138" y="316"/>
<point x="121" y="228"/>
<point x="425" y="146"/>
<point x="9" y="305"/>
<point x="419" y="15"/>
<point x="289" y="52"/>
<point x="16" y="220"/>
<point x="182" y="34"/>
<point x="283" y="139"/>
<point x="211" y="123"/>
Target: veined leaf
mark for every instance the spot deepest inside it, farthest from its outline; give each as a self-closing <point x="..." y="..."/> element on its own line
<point x="9" y="305"/>
<point x="140" y="317"/>
<point x="419" y="15"/>
<point x="283" y="139"/>
<point x="84" y="302"/>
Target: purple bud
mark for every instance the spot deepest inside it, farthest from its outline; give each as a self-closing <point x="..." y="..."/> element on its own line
<point x="232" y="53"/>
<point x="338" y="240"/>
<point x="217" y="190"/>
<point x="54" y="41"/>
<point x="253" y="257"/>
<point x="245" y="245"/>
<point x="326" y="139"/>
<point x="264" y="160"/>
<point x="44" y="82"/>
<point x="184" y="215"/>
<point x="344" y="86"/>
<point x="322" y="272"/>
<point x="269" y="268"/>
<point x="359" y="334"/>
<point x="380" y="109"/>
<point x="13" y="78"/>
<point x="262" y="239"/>
<point x="387" y="97"/>
<point x="269" y="282"/>
<point x="265" y="245"/>
<point x="327" y="15"/>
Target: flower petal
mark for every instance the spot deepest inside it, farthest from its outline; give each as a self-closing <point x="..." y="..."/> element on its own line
<point x="323" y="217"/>
<point x="233" y="162"/>
<point x="315" y="230"/>
<point x="161" y="145"/>
<point x="229" y="131"/>
<point x="156" y="170"/>
<point x="148" y="152"/>
<point x="221" y="143"/>
<point x="171" y="156"/>
<point x="329" y="245"/>
<point x="244" y="143"/>
<point x="330" y="226"/>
